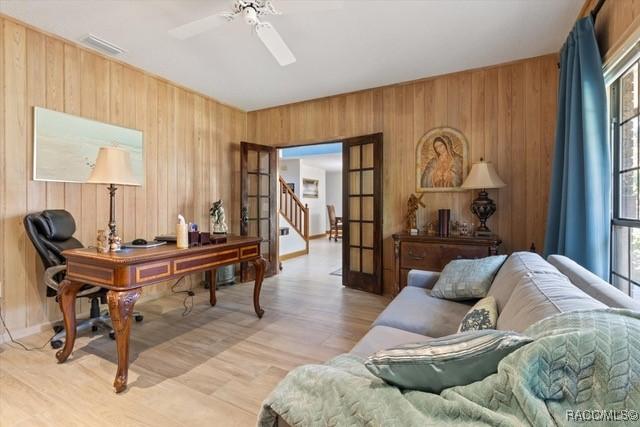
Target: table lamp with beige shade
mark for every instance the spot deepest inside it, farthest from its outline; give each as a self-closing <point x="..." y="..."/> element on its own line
<point x="483" y="177"/>
<point x="113" y="167"/>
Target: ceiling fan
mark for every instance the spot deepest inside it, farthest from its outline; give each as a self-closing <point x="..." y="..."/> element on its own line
<point x="253" y="11"/>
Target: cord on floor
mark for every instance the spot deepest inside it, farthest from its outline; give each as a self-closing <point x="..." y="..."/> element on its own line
<point x="18" y="343"/>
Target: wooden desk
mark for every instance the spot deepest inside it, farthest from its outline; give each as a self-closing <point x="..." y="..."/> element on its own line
<point x="125" y="273"/>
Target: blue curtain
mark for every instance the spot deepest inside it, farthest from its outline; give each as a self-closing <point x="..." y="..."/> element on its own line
<point x="579" y="216"/>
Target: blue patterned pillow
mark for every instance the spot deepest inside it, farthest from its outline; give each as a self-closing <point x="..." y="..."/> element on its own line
<point x="464" y="279"/>
<point x="445" y="362"/>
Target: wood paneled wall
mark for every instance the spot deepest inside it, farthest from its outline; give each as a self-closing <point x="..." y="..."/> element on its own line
<point x="615" y="23"/>
<point x="507" y="113"/>
<point x="191" y="151"/>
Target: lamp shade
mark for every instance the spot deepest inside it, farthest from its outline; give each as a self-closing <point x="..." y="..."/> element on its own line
<point x="113" y="166"/>
<point x="482" y="176"/>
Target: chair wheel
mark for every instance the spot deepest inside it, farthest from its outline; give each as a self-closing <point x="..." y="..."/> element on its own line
<point x="112" y="335"/>
<point x="58" y="328"/>
<point x="56" y="344"/>
<point x="94" y="328"/>
<point x="139" y="317"/>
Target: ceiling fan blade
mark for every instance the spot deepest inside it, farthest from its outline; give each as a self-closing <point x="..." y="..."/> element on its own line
<point x="275" y="44"/>
<point x="306" y="6"/>
<point x="201" y="25"/>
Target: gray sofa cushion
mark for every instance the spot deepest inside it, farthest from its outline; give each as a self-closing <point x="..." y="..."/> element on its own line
<point x="383" y="337"/>
<point x="592" y="285"/>
<point x="539" y="295"/>
<point x="414" y="310"/>
<point x="514" y="268"/>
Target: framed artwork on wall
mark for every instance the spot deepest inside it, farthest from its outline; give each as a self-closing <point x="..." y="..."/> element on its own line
<point x="310" y="188"/>
<point x="65" y="147"/>
<point x="442" y="160"/>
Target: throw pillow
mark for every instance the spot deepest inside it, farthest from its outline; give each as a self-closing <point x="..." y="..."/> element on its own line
<point x="483" y="315"/>
<point x="440" y="363"/>
<point x="467" y="278"/>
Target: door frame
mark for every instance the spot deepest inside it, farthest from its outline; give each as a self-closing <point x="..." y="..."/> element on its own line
<point x="378" y="204"/>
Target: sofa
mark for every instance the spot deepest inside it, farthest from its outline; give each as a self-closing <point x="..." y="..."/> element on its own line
<point x="527" y="288"/>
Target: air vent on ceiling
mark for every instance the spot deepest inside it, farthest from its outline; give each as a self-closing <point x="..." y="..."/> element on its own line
<point x="103" y="45"/>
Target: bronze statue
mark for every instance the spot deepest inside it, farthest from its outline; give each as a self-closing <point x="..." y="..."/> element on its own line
<point x="412" y="208"/>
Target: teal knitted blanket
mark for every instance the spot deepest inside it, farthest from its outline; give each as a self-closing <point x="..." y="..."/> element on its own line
<point x="582" y="366"/>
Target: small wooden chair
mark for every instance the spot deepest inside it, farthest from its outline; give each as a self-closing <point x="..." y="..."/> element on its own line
<point x="335" y="223"/>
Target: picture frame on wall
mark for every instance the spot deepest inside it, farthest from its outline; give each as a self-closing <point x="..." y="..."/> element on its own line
<point x="310" y="188"/>
<point x="442" y="160"/>
<point x="65" y="146"/>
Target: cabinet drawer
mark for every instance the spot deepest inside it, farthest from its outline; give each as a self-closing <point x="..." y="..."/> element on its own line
<point x="451" y="252"/>
<point x="420" y="255"/>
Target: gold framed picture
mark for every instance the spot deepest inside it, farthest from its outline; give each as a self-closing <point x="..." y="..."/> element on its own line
<point x="442" y="160"/>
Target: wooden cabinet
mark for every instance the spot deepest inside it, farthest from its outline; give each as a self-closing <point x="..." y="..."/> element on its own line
<point x="432" y="253"/>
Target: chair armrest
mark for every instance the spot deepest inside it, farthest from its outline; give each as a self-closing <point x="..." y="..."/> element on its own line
<point x="422" y="279"/>
<point x="50" y="274"/>
<point x="49" y="280"/>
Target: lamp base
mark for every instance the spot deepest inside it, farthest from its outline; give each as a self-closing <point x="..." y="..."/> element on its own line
<point x="483" y="207"/>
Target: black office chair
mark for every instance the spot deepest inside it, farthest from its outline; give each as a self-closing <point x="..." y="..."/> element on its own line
<point x="51" y="232"/>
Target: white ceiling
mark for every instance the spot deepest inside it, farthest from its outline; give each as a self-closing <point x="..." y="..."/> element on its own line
<point x="328" y="162"/>
<point x="365" y="44"/>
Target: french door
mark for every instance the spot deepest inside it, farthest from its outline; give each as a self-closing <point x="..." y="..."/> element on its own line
<point x="362" y="213"/>
<point x="258" y="186"/>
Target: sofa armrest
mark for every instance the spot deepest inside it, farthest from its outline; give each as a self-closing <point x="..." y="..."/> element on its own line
<point x="422" y="279"/>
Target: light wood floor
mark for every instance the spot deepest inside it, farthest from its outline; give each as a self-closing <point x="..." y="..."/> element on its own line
<point x="213" y="367"/>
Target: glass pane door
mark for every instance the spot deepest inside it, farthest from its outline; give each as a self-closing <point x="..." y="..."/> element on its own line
<point x="258" y="186"/>
<point x="362" y="256"/>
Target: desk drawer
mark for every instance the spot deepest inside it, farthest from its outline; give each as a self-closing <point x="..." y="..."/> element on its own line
<point x="420" y="255"/>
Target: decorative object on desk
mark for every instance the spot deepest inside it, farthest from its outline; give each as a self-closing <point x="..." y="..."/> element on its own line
<point x="444" y="215"/>
<point x="216" y="239"/>
<point x="113" y="167"/>
<point x="65" y="147"/>
<point x="102" y="242"/>
<point x="182" y="239"/>
<point x="115" y="243"/>
<point x="441" y="160"/>
<point x="194" y="238"/>
<point x="205" y="239"/>
<point x="218" y="222"/>
<point x="482" y="177"/>
<point x="310" y="188"/>
<point x="413" y="204"/>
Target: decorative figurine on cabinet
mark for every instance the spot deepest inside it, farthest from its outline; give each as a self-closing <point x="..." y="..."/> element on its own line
<point x="413" y="204"/>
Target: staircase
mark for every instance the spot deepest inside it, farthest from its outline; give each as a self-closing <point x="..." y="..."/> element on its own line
<point x="295" y="212"/>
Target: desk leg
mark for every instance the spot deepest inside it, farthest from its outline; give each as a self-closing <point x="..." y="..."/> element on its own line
<point x="213" y="279"/>
<point x="120" y="309"/>
<point x="259" y="266"/>
<point x="67" y="299"/>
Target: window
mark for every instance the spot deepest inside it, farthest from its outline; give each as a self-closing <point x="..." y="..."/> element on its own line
<point x="625" y="236"/>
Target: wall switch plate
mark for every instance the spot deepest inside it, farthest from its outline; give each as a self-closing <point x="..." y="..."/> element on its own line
<point x="1" y="289"/>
